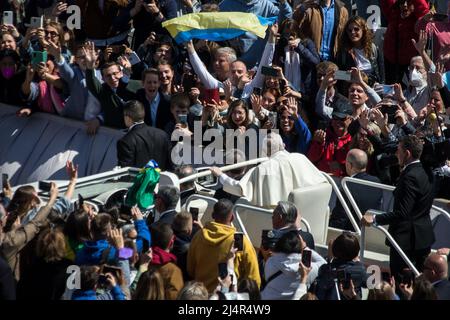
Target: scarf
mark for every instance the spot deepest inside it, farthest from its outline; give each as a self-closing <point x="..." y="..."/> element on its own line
<point x="48" y="97"/>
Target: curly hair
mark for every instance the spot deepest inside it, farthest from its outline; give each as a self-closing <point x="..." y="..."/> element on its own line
<point x="367" y="36"/>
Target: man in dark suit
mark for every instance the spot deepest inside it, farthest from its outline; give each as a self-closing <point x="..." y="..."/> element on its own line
<point x="157" y="107"/>
<point x="365" y="197"/>
<point x="142" y="143"/>
<point x="435" y="270"/>
<point x="409" y="222"/>
<point x="166" y="201"/>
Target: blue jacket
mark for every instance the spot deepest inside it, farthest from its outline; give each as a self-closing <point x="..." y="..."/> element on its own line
<point x="75" y="79"/>
<point x="301" y="140"/>
<point x="92" y="252"/>
<point x="143" y="240"/>
<point x="115" y="294"/>
<point x="250" y="45"/>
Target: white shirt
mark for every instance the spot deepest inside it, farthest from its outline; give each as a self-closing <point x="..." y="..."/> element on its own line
<point x="361" y="61"/>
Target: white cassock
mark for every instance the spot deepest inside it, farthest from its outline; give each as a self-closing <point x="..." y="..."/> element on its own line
<point x="273" y="180"/>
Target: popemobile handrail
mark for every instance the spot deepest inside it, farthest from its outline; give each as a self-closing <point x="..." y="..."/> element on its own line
<point x="224" y="169"/>
<point x="343" y="202"/>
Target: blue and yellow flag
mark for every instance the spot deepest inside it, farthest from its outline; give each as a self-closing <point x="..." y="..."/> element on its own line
<point x="216" y="26"/>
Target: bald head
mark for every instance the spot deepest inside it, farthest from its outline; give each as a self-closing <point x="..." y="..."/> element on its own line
<point x="435" y="267"/>
<point x="356" y="161"/>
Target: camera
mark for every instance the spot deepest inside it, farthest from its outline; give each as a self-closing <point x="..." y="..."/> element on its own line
<point x="268" y="239"/>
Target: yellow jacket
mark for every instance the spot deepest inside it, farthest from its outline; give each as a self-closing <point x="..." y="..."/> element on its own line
<point x="210" y="246"/>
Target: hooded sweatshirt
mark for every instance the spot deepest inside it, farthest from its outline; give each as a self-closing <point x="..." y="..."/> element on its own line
<point x="172" y="275"/>
<point x="210" y="247"/>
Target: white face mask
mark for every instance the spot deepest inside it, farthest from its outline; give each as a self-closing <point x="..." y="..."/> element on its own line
<point x="416" y="78"/>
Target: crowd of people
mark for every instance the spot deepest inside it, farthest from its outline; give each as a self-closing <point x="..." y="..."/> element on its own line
<point x="353" y="105"/>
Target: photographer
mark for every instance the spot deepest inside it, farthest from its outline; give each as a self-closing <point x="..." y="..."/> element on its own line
<point x="282" y="269"/>
<point x="343" y="266"/>
<point x="91" y="280"/>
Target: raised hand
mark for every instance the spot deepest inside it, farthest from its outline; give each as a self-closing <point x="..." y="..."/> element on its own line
<point x="72" y="170"/>
<point x="320" y="136"/>
<point x="91" y="55"/>
<point x="421" y="43"/>
<point x="256" y="103"/>
<point x="54" y="50"/>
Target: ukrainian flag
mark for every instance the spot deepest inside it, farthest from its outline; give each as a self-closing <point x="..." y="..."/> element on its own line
<point x="216" y="26"/>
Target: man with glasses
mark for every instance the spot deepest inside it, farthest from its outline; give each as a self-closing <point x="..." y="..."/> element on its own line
<point x="112" y="94"/>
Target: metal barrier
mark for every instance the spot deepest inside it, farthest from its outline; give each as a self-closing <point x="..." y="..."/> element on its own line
<point x="196" y="196"/>
<point x="382" y="229"/>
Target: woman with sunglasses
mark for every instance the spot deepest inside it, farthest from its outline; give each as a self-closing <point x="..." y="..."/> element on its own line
<point x="358" y="50"/>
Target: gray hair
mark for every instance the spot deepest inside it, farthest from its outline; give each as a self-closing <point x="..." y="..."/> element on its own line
<point x="169" y="195"/>
<point x="230" y="52"/>
<point x="272" y="144"/>
<point x="287" y="210"/>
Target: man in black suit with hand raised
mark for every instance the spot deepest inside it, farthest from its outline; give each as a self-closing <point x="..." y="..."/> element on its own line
<point x="409" y="222"/>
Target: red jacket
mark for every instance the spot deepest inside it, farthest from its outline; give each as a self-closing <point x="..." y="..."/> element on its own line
<point x="334" y="150"/>
<point x="398" y="47"/>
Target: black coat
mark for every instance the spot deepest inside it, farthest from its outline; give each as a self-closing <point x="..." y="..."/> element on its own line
<point x="442" y="289"/>
<point x="44" y="280"/>
<point x="7" y="282"/>
<point x="163" y="114"/>
<point x="141" y="144"/>
<point x="365" y="197"/>
<point x="409" y="222"/>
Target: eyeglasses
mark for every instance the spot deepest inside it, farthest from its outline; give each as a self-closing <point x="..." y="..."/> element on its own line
<point x="52" y="34"/>
<point x="356" y="29"/>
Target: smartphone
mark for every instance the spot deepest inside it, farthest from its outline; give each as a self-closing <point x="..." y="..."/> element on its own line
<point x="344" y="278"/>
<point x="133" y="58"/>
<point x="257" y="91"/>
<point x="273" y="117"/>
<point x="306" y="258"/>
<point x="239" y="241"/>
<point x="223" y="270"/>
<point x="386" y="276"/>
<point x="390" y="110"/>
<point x="45" y="186"/>
<point x="268" y="239"/>
<point x="189" y="81"/>
<point x="37" y="22"/>
<point x="38" y="57"/>
<point x="407" y="277"/>
<point x="388" y="89"/>
<point x="342" y="75"/>
<point x="8" y="18"/>
<point x="210" y="95"/>
<point x="269" y="71"/>
<point x="5" y="179"/>
<point x="183" y="118"/>
<point x="102" y="280"/>
<point x="115" y="271"/>
<point x="440" y="17"/>
<point x="194" y="213"/>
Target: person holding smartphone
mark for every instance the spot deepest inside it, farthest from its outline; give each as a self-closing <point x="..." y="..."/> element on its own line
<point x="213" y="244"/>
<point x="285" y="270"/>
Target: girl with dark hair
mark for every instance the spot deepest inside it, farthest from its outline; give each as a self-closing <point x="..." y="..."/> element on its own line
<point x="16" y="234"/>
<point x="77" y="230"/>
<point x="344" y="260"/>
